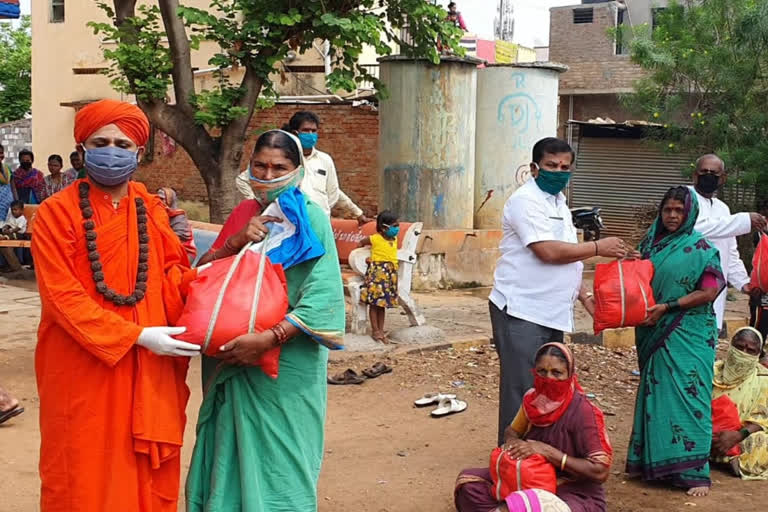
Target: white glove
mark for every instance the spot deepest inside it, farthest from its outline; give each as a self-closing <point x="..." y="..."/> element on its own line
<point x="159" y="341"/>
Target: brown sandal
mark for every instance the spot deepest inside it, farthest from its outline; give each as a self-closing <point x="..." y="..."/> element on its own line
<point x="350" y="376"/>
<point x="377" y="370"/>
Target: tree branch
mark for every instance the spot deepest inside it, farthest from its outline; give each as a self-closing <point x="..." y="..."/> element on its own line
<point x="192" y="137"/>
<point x="178" y="43"/>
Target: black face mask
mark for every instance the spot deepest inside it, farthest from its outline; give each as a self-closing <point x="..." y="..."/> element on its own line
<point x="26" y="165"/>
<point x="708" y="183"/>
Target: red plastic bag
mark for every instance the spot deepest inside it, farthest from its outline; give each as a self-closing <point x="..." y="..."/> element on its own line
<point x="759" y="278"/>
<point x="533" y="473"/>
<point x="234" y="315"/>
<point x="623" y="293"/>
<point x="725" y="416"/>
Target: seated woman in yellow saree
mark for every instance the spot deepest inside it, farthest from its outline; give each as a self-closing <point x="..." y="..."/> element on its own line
<point x="744" y="380"/>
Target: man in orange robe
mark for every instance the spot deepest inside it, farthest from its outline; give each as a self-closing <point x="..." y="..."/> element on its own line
<point x="110" y="376"/>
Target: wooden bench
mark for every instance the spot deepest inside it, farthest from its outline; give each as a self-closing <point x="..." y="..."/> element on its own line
<point x="347" y="234"/>
<point x="7" y="246"/>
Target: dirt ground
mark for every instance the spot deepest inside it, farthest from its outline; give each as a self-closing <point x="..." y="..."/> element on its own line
<point x="383" y="454"/>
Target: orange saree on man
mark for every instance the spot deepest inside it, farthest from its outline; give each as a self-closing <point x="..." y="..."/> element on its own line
<point x="112" y="413"/>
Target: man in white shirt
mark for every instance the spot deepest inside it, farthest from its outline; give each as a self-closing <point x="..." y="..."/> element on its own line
<point x="538" y="276"/>
<point x="717" y="224"/>
<point x="321" y="182"/>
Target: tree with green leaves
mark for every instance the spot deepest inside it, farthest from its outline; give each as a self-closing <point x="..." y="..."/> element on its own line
<point x="154" y="49"/>
<point x="15" y="70"/>
<point x="706" y="63"/>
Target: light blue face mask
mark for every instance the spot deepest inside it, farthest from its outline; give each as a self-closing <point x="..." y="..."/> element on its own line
<point x="308" y="140"/>
<point x="392" y="231"/>
<point x="110" y="166"/>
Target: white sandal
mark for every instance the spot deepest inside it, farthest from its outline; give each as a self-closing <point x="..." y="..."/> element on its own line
<point x="449" y="406"/>
<point x="432" y="398"/>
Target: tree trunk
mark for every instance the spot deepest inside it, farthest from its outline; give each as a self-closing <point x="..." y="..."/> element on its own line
<point x="223" y="195"/>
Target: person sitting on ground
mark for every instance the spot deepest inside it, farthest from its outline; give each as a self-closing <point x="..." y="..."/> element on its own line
<point x="179" y="223"/>
<point x="744" y="380"/>
<point x="28" y="181"/>
<point x="57" y="179"/>
<point x="78" y="164"/>
<point x="557" y="421"/>
<point x="9" y="406"/>
<point x="379" y="290"/>
<point x="15" y="226"/>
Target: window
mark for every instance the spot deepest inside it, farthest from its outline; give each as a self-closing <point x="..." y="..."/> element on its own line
<point x="655" y="13"/>
<point x="57" y="11"/>
<point x="583" y="15"/>
<point x="622" y="33"/>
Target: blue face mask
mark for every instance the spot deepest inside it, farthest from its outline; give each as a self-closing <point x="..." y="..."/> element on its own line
<point x="308" y="140"/>
<point x="392" y="231"/>
<point x="110" y="166"/>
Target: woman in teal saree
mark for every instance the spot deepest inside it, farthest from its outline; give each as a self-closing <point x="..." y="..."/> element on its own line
<point x="672" y="429"/>
<point x="260" y="440"/>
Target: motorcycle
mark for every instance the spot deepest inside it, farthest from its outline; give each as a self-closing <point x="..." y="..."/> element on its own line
<point x="588" y="220"/>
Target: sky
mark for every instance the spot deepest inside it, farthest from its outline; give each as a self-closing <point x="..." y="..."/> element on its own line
<point x="531" y="18"/>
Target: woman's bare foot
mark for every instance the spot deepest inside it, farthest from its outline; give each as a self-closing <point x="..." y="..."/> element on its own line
<point x="698" y="491"/>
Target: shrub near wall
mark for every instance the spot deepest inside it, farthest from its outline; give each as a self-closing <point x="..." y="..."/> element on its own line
<point x="349" y="134"/>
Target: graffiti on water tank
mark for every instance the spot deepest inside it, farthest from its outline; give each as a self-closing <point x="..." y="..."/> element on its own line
<point x="521" y="111"/>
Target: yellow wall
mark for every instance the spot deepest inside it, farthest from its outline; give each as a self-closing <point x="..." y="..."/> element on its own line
<point x="58" y="48"/>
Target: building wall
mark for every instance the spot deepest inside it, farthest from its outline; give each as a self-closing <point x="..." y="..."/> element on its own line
<point x="589" y="52"/>
<point x="349" y="134"/>
<point x="59" y="49"/>
<point x="14" y="137"/>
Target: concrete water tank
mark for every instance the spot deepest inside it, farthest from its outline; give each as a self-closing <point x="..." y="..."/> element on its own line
<point x="516" y="107"/>
<point x="427" y="140"/>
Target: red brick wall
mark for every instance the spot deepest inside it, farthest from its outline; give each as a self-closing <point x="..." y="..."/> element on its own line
<point x="349" y="134"/>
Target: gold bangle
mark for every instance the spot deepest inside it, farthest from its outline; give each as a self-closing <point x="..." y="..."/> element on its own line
<point x="563" y="461"/>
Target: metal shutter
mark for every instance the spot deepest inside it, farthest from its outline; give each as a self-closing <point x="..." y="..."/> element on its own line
<point x="622" y="175"/>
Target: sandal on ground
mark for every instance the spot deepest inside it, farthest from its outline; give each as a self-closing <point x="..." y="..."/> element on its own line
<point x="350" y="376"/>
<point x="449" y="406"/>
<point x="432" y="398"/>
<point x="376" y="370"/>
<point x="6" y="415"/>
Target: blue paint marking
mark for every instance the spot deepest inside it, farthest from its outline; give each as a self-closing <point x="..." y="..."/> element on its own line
<point x="519" y="79"/>
<point x="519" y="107"/>
<point x="439" y="200"/>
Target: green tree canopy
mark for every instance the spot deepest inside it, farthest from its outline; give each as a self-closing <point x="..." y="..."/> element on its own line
<point x="706" y="64"/>
<point x="15" y="70"/>
<point x="153" y="54"/>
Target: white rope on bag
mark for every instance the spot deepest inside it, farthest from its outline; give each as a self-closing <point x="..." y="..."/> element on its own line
<point x="225" y="285"/>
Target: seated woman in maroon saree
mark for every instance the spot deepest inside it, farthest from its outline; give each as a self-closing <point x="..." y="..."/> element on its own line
<point x="557" y="421"/>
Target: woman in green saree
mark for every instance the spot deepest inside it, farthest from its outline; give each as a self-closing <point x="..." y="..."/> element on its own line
<point x="260" y="441"/>
<point x="672" y="429"/>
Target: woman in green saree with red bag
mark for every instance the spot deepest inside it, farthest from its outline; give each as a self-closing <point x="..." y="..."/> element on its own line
<point x="676" y="344"/>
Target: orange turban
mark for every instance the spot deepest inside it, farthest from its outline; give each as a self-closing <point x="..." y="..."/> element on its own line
<point x="129" y="118"/>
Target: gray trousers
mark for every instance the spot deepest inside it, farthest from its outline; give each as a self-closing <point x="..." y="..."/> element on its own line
<point x="517" y="342"/>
